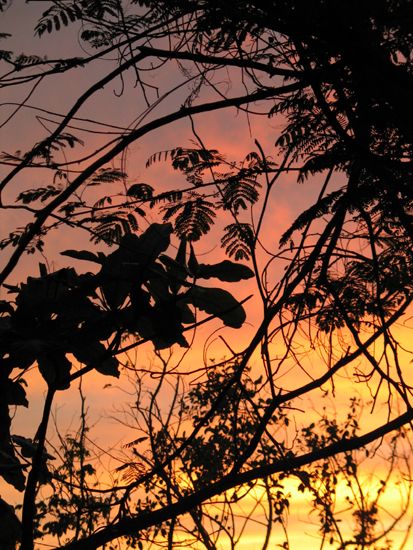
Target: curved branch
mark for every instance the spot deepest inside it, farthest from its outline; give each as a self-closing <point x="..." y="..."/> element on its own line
<point x="132" y="526"/>
<point x="124" y="142"/>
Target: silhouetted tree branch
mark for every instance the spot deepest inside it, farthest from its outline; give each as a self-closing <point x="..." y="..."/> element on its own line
<point x="334" y="287"/>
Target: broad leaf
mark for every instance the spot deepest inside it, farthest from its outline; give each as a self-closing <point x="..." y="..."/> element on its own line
<point x="181" y="254"/>
<point x="132" y="262"/>
<point x="155" y="240"/>
<point x="141" y="191"/>
<point x="163" y="342"/>
<point x="96" y="355"/>
<point x="55" y="369"/>
<point x="218" y="302"/>
<point x="166" y="319"/>
<point x="225" y="271"/>
<point x="6" y="307"/>
<point x="98" y="327"/>
<point x="10" y="526"/>
<point x="10" y="468"/>
<point x="193" y="262"/>
<point x="187" y="316"/>
<point x="43" y="294"/>
<point x="108" y="367"/>
<point x="27" y="447"/>
<point x="118" y="272"/>
<point x="158" y="283"/>
<point x="16" y="394"/>
<point x="177" y="272"/>
<point x="82" y="255"/>
<point x="23" y="353"/>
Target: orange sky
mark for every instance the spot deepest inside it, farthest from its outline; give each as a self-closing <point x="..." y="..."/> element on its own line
<point x="229" y="132"/>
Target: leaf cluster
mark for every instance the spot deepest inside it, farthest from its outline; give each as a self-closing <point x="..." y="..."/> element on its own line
<point x="72" y="510"/>
<point x="62" y="318"/>
<point x="193" y="214"/>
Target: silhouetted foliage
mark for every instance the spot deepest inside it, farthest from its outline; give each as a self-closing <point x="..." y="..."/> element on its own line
<point x="333" y="82"/>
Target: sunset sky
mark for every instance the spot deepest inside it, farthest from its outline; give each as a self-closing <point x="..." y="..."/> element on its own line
<point x="233" y="133"/>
